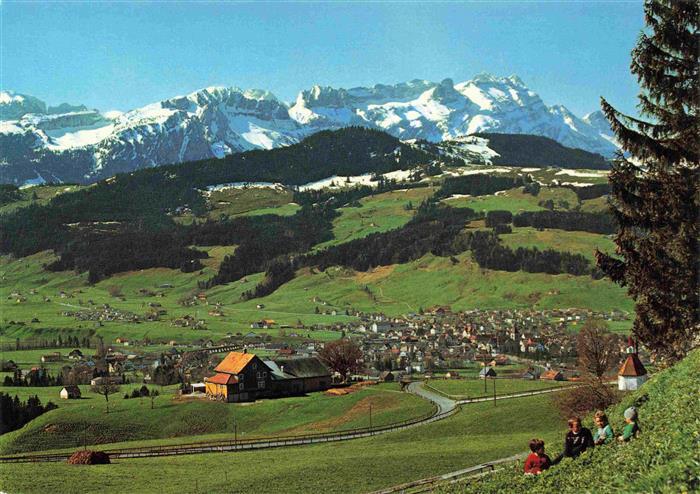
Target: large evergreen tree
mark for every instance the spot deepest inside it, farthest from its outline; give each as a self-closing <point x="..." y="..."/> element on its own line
<point x="655" y="196"/>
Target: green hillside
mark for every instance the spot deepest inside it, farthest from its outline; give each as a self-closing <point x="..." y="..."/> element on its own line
<point x="663" y="459"/>
<point x="432" y="280"/>
<point x="472" y="436"/>
<point x="377" y="213"/>
<point x="84" y="421"/>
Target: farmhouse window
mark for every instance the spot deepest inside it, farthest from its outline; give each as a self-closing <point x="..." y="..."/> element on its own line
<point x="261" y="384"/>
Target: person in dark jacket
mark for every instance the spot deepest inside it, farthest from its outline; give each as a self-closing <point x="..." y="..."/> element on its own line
<point x="577" y="440"/>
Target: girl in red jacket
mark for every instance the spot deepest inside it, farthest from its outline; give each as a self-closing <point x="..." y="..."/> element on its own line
<point x="537" y="460"/>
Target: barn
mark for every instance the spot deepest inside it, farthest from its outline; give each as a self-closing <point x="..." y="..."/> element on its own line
<point x="245" y="377"/>
<point x="313" y="375"/>
<point x="70" y="392"/>
<point x="239" y="377"/>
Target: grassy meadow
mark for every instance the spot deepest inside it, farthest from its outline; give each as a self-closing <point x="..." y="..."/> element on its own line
<point x="132" y="422"/>
<point x="462" y="389"/>
<point x="378" y="213"/>
<point x="583" y="243"/>
<point x="24" y="275"/>
<point x="474" y="435"/>
<point x="39" y="195"/>
<point x="432" y="280"/>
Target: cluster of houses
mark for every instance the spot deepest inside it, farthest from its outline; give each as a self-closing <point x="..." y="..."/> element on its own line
<point x="440" y="338"/>
<point x="104" y="313"/>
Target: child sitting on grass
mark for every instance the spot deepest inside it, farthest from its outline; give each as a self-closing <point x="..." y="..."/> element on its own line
<point x="604" y="434"/>
<point x="577" y="440"/>
<point x="632" y="428"/>
<point x="537" y="460"/>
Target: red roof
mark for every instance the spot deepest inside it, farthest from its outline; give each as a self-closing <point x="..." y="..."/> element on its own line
<point x="632" y="367"/>
<point x="550" y="375"/>
<point x="234" y="362"/>
<point x="222" y="379"/>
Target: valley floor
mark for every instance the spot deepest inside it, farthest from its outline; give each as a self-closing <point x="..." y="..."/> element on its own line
<point x="475" y="435"/>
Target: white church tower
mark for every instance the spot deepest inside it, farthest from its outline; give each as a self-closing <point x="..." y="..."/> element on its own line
<point x="632" y="373"/>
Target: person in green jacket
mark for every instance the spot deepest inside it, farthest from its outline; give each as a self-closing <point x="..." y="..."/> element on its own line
<point x="632" y="429"/>
<point x="604" y="434"/>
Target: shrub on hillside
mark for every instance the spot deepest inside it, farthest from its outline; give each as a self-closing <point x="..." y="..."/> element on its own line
<point x="498" y="217"/>
<point x="590" y="396"/>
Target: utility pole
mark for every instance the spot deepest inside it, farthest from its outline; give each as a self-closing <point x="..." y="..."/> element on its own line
<point x="235" y="431"/>
<point x="494" y="391"/>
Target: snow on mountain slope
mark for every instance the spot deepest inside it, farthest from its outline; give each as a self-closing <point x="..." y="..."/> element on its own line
<point x="438" y="111"/>
<point x="77" y="144"/>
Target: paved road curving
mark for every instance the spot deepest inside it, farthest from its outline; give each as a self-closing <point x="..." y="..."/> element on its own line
<point x="443" y="403"/>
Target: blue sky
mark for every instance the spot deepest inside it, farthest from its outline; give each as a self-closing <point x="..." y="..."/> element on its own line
<point x="121" y="55"/>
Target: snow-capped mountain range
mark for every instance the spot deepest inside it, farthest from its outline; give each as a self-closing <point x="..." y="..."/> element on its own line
<point x="73" y="143"/>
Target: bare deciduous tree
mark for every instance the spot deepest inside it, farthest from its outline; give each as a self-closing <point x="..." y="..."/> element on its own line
<point x="343" y="356"/>
<point x="105" y="388"/>
<point x="598" y="349"/>
<point x="153" y="395"/>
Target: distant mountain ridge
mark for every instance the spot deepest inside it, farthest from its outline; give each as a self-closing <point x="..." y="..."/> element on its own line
<point x="73" y="143"/>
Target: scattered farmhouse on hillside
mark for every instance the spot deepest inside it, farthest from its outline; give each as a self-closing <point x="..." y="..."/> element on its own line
<point x="245" y="377"/>
<point x="70" y="392"/>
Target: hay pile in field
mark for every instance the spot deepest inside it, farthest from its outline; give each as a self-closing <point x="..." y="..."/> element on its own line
<point x="89" y="458"/>
<point x="351" y="389"/>
<point x="362" y="384"/>
<point x="338" y="391"/>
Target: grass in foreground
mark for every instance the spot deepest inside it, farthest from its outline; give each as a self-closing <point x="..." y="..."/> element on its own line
<point x="663" y="459"/>
<point x="476" y="434"/>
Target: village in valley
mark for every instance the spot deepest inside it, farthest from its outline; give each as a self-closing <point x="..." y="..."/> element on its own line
<point x="436" y="343"/>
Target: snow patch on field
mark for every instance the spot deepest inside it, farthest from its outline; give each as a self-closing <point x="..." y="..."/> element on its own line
<point x="244" y="185"/>
<point x="459" y="172"/>
<point x="336" y="182"/>
<point x="39" y="180"/>
<point x="339" y="182"/>
<point x="476" y="145"/>
<point x="586" y="174"/>
<point x="577" y="184"/>
<point x="457" y="196"/>
<point x="399" y="175"/>
<point x="530" y="170"/>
